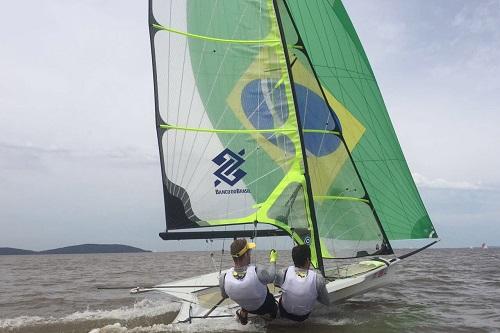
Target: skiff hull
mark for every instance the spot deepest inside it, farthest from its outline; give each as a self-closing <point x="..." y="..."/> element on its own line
<point x="200" y="296"/>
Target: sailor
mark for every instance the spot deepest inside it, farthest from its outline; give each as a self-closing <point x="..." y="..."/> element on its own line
<point x="300" y="286"/>
<point x="246" y="284"/>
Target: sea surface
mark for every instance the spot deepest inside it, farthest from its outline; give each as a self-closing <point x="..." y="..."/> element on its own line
<point x="438" y="290"/>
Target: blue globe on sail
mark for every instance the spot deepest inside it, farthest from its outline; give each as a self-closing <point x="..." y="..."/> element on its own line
<point x="266" y="107"/>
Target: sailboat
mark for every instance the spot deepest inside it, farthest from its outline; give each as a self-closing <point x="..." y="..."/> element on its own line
<point x="270" y="123"/>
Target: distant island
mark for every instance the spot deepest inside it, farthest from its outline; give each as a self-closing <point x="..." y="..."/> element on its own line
<point x="76" y="249"/>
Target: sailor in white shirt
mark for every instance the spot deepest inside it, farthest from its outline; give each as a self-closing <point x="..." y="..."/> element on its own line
<point x="246" y="284"/>
<point x="301" y="286"/>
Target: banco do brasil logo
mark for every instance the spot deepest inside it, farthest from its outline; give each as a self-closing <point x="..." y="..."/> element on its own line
<point x="229" y="164"/>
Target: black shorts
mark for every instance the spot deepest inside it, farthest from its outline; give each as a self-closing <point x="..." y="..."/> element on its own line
<point x="291" y="316"/>
<point x="269" y="306"/>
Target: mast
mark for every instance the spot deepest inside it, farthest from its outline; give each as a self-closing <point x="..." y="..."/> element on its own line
<point x="317" y="244"/>
<point x="340" y="135"/>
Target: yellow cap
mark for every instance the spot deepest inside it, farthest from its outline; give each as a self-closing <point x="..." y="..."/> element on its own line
<point x="248" y="246"/>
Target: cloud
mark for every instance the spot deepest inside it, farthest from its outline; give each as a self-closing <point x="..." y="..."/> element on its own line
<point x="126" y="156"/>
<point x="476" y="33"/>
<point x="464" y="217"/>
<point x="440" y="183"/>
<point x="478" y="17"/>
<point x="27" y="156"/>
<point x="391" y="36"/>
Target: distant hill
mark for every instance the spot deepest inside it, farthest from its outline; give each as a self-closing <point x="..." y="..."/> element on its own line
<point x="77" y="249"/>
<point x="10" y="250"/>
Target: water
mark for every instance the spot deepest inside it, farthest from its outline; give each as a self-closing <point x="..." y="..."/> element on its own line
<point x="439" y="290"/>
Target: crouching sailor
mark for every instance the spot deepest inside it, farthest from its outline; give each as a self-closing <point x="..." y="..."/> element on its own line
<point x="300" y="286"/>
<point x="247" y="284"/>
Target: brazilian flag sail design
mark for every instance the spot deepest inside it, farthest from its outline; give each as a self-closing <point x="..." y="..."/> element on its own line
<point x="267" y="114"/>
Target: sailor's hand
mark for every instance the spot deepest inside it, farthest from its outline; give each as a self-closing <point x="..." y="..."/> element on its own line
<point x="273" y="256"/>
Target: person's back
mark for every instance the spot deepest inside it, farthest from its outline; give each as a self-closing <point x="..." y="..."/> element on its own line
<point x="301" y="286"/>
<point x="245" y="288"/>
<point x="299" y="291"/>
<point x="247" y="284"/>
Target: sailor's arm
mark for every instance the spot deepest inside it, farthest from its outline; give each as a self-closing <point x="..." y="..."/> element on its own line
<point x="267" y="275"/>
<point x="222" y="278"/>
<point x="321" y="289"/>
<point x="280" y="277"/>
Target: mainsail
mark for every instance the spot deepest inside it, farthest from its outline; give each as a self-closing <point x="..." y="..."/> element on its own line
<point x="268" y="112"/>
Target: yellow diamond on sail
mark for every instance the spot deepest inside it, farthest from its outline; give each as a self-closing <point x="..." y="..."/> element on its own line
<point x="260" y="100"/>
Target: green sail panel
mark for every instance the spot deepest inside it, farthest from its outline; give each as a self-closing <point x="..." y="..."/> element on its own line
<point x="229" y="140"/>
<point x="349" y="83"/>
<point x="346" y="223"/>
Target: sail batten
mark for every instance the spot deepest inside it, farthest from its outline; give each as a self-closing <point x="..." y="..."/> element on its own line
<point x="216" y="39"/>
<point x="246" y="131"/>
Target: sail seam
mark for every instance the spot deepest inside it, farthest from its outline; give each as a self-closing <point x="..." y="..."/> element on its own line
<point x="335" y="197"/>
<point x="216" y="39"/>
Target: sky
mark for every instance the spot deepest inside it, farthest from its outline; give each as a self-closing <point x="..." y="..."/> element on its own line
<point x="78" y="149"/>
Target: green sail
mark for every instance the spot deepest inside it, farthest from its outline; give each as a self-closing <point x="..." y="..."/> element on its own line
<point x="344" y="72"/>
<point x="228" y="132"/>
<point x="347" y="224"/>
<point x="242" y="113"/>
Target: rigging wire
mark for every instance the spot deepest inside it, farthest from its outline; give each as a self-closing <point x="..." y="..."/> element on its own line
<point x="254" y="239"/>
<point x="274" y="248"/>
<point x="222" y="253"/>
<point x="214" y="264"/>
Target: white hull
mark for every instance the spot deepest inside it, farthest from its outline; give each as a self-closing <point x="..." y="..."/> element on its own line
<point x="342" y="289"/>
<point x="205" y="301"/>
